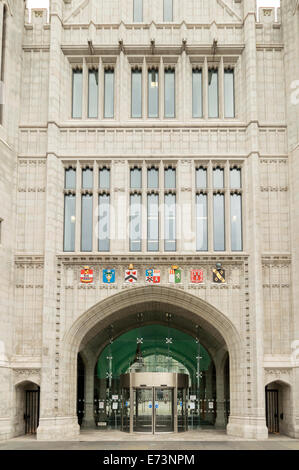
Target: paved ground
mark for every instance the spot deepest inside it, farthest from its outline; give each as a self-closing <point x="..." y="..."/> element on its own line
<point x="192" y="440"/>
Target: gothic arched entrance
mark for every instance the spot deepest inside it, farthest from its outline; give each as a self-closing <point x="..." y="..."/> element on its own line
<point x="119" y="314"/>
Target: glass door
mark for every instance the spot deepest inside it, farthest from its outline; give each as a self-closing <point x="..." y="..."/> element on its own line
<point x="143" y="410"/>
<point x="163" y="410"/>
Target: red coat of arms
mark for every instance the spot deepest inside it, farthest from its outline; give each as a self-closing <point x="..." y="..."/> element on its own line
<point x="86" y="275"/>
<point x="197" y="276"/>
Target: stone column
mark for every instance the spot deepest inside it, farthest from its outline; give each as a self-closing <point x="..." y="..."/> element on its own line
<point x="55" y="422"/>
<point x="220" y="398"/>
<point x="88" y="420"/>
<point x="251" y="422"/>
<point x="290" y="28"/>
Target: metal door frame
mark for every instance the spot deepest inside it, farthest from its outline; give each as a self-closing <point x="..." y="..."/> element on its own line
<point x="173" y="389"/>
<point x="31" y="415"/>
<point x="154" y="412"/>
<point x="272" y="410"/>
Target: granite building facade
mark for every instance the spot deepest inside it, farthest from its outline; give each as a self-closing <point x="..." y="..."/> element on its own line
<point x="148" y="176"/>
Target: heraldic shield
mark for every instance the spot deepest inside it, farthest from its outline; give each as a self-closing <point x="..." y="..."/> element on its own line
<point x="86" y="276"/>
<point x="131" y="276"/>
<point x="219" y="276"/>
<point x="153" y="276"/>
<point x="109" y="276"/>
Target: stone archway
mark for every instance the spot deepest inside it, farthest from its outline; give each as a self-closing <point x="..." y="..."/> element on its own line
<point x="121" y="309"/>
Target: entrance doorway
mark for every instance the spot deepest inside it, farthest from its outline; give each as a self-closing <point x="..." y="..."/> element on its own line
<point x="153" y="410"/>
<point x="31" y="415"/>
<point x="153" y="402"/>
<point x="272" y="411"/>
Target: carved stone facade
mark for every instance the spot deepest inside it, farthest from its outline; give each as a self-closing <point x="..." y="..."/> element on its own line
<point x="46" y="315"/>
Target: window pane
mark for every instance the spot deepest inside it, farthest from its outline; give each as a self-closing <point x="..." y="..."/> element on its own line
<point x="104" y="222"/>
<point x="197" y="93"/>
<point x="69" y="222"/>
<point x="77" y="93"/>
<point x="201" y="178"/>
<point x="169" y="94"/>
<point x="138" y="13"/>
<point x="201" y="222"/>
<point x="213" y="93"/>
<point x="235" y="178"/>
<point x="218" y="178"/>
<point x="86" y="223"/>
<point x="153" y="222"/>
<point x="168" y="14"/>
<point x="104" y="178"/>
<point x="135" y="222"/>
<point x="219" y="220"/>
<point x="170" y="229"/>
<point x="236" y="222"/>
<point x="93" y="93"/>
<point x="170" y="178"/>
<point x="153" y="93"/>
<point x="136" y="93"/>
<point x="229" y="98"/>
<point x="70" y="179"/>
<point x="109" y="94"/>
<point x="135" y="174"/>
<point x="87" y="178"/>
<point x="153" y="178"/>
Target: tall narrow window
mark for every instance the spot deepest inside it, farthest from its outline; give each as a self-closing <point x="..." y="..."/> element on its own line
<point x="135" y="222"/>
<point x="170" y="209"/>
<point x="201" y="222"/>
<point x="69" y="209"/>
<point x="219" y="209"/>
<point x="170" y="178"/>
<point x="170" y="222"/>
<point x="218" y="178"/>
<point x="219" y="222"/>
<point x="87" y="210"/>
<point x="104" y="222"/>
<point x="213" y="92"/>
<point x="104" y="209"/>
<point x="109" y="93"/>
<point x="169" y="93"/>
<point x="136" y="93"/>
<point x="201" y="178"/>
<point x="153" y="178"/>
<point x="104" y="178"/>
<point x="229" y="93"/>
<point x="168" y="10"/>
<point x="197" y="93"/>
<point x="153" y="93"/>
<point x="93" y="84"/>
<point x="135" y="178"/>
<point x="153" y="209"/>
<point x="4" y="19"/>
<point x="153" y="222"/>
<point x="236" y="210"/>
<point x="77" y="93"/>
<point x="138" y="11"/>
<point x="201" y="210"/>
